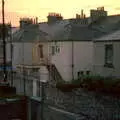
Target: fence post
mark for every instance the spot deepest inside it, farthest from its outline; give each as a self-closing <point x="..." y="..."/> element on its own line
<point x="29" y="109"/>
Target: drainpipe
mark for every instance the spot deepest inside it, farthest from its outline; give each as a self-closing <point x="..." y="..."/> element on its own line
<point x="50" y="58"/>
<point x="11" y="54"/>
<point x="72" y="60"/>
<point x="23" y="63"/>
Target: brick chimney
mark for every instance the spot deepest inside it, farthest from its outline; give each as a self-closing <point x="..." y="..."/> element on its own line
<point x="96" y="14"/>
<point x="53" y="17"/>
<point x="25" y="21"/>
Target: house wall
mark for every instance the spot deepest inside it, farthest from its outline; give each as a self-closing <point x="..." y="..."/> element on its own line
<point x="99" y="59"/>
<point x="1" y="52"/>
<point x="35" y="52"/>
<point x="82" y="58"/>
<point x="22" y="53"/>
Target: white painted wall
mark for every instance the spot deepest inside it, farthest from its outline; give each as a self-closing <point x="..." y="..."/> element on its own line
<point x="62" y="60"/>
<point x="36" y="57"/>
<point x="99" y="57"/>
<point x="22" y="53"/>
<point x="83" y="58"/>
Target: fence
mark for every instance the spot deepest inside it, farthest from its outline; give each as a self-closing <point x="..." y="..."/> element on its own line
<point x="90" y="105"/>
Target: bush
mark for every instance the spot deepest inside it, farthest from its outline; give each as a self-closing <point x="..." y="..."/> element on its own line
<point x="97" y="83"/>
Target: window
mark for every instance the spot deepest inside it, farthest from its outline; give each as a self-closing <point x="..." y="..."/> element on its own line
<point x="88" y="72"/>
<point x="38" y="88"/>
<point x="57" y="49"/>
<point x="80" y="74"/>
<point x="53" y="50"/>
<point x="40" y="51"/>
<point x="109" y="55"/>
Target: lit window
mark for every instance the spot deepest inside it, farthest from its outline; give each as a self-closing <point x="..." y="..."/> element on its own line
<point x="109" y="55"/>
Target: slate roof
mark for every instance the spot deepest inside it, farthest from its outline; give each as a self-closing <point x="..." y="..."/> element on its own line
<point x="53" y="29"/>
<point x="14" y="29"/>
<point x="30" y="33"/>
<point x="106" y="24"/>
<point x="65" y="30"/>
<point x="110" y="26"/>
<point x="115" y="36"/>
<point x="83" y="33"/>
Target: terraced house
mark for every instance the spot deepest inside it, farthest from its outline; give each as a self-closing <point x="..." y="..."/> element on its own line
<point x="106" y="55"/>
<point x="27" y="47"/>
<point x="67" y="48"/>
<point x="72" y="45"/>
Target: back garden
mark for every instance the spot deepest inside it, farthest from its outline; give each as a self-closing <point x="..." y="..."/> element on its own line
<point x="96" y="83"/>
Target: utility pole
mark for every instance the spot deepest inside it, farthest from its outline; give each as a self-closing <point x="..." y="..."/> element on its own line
<point x="11" y="53"/>
<point x="42" y="101"/>
<point x="4" y="42"/>
<point x="23" y="68"/>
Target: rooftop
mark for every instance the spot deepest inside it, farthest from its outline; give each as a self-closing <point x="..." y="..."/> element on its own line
<point x="29" y="34"/>
<point x="68" y="29"/>
<point x="112" y="36"/>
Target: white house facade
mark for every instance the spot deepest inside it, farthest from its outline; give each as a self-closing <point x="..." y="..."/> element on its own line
<point x="72" y="57"/>
<point x="28" y="46"/>
<point x="72" y="48"/>
<point x="106" y="55"/>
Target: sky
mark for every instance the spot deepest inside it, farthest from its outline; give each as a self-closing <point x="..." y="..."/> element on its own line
<point x="14" y="9"/>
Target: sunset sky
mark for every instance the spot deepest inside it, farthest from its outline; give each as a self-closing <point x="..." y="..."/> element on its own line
<point x="14" y="9"/>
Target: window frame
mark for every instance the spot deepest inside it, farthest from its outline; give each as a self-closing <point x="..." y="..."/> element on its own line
<point x="108" y="59"/>
<point x="40" y="51"/>
<point x="55" y="49"/>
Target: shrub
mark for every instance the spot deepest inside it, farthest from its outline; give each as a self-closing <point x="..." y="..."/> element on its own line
<point x="97" y="83"/>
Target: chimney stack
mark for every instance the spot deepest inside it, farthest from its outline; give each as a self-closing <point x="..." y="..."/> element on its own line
<point x="36" y="20"/>
<point x="53" y="17"/>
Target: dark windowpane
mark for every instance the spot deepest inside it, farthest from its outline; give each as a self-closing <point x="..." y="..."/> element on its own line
<point x="108" y="54"/>
<point x="38" y="88"/>
<point x="87" y="72"/>
<point x="53" y="50"/>
<point x="41" y="51"/>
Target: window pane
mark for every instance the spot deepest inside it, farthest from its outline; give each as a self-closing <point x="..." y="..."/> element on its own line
<point x="40" y="51"/>
<point x="108" y="54"/>
<point x="53" y="50"/>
